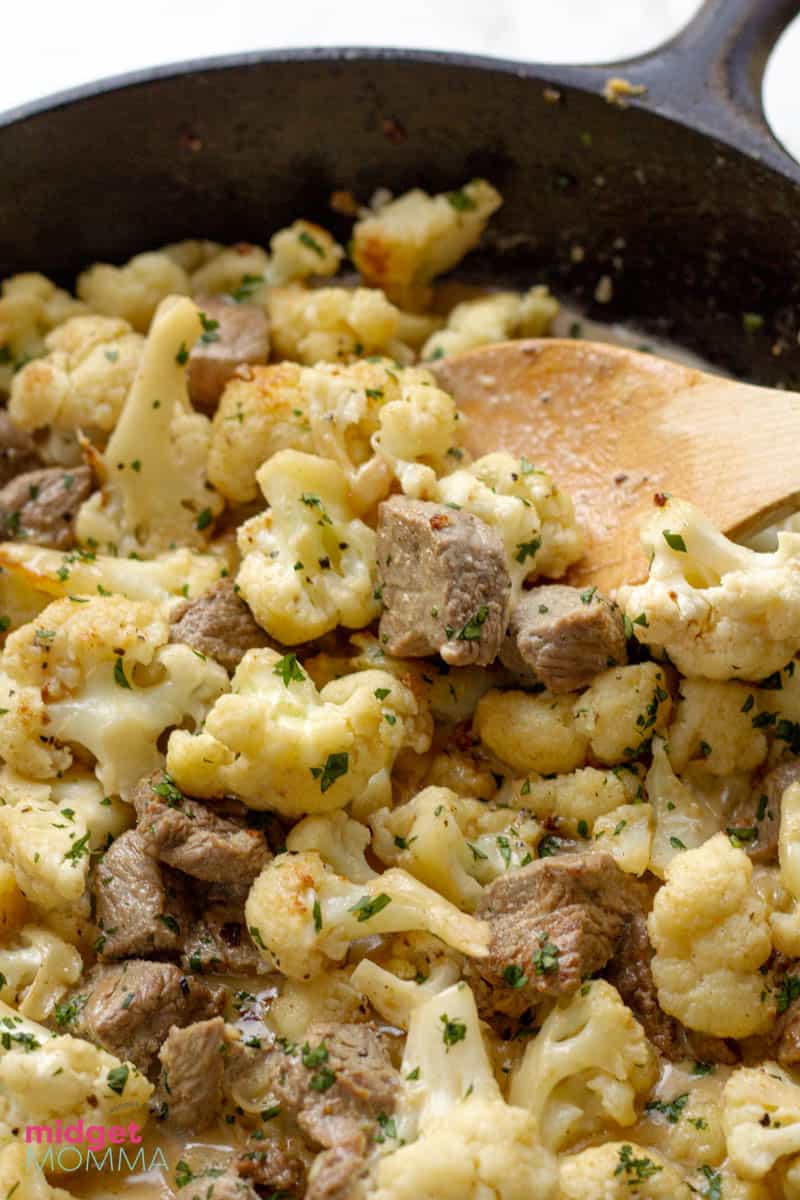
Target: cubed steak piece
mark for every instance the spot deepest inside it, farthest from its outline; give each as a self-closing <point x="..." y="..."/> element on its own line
<point x="553" y="923"/>
<point x="130" y="1007"/>
<point x="220" y="625"/>
<point x="193" y="838"/>
<point x="18" y="452"/>
<point x="444" y="581"/>
<point x="192" y="1071"/>
<point x="217" y="941"/>
<point x="140" y="907"/>
<point x="41" y="506"/>
<point x="629" y="971"/>
<point x="276" y="1164"/>
<point x="757" y="819"/>
<point x="562" y="637"/>
<point x="335" y="1087"/>
<point x="233" y="334"/>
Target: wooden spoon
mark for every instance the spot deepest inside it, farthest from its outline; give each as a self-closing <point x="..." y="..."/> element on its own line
<point x="617" y="428"/>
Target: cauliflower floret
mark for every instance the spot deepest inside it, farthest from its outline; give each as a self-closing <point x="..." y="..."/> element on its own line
<point x="718" y="609"/>
<point x="622" y="709"/>
<point x="334" y="324"/>
<point x="451" y="695"/>
<point x="761" y="1118"/>
<point x="49" y="834"/>
<point x="372" y="419"/>
<point x="470" y="1144"/>
<point x="48" y="574"/>
<point x="192" y="253"/>
<point x="338" y="839"/>
<point x="396" y="997"/>
<point x="301" y="250"/>
<point x="301" y="914"/>
<point x="618" y="1170"/>
<point x="786" y="925"/>
<point x="410" y="240"/>
<point x="585" y="1067"/>
<point x="535" y="520"/>
<point x="278" y="743"/>
<point x="308" y="561"/>
<point x="30" y="306"/>
<point x="577" y="800"/>
<point x="135" y="290"/>
<point x="627" y="834"/>
<point x="683" y="821"/>
<point x="155" y="494"/>
<point x="531" y="733"/>
<point x="37" y="967"/>
<point x="100" y="675"/>
<point x="714" y="722"/>
<point x="82" y="382"/>
<point x="232" y="268"/>
<point x="710" y="932"/>
<point x="24" y="1179"/>
<point x="44" y="1078"/>
<point x="454" y="844"/>
<point x="494" y="318"/>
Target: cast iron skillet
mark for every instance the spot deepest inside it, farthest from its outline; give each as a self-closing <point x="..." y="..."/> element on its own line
<point x="684" y="198"/>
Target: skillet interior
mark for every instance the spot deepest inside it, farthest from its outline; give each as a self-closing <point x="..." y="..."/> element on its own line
<point x="692" y="232"/>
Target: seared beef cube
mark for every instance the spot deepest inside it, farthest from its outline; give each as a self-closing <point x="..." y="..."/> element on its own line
<point x="131" y="1007"/>
<point x="18" y="452"/>
<point x="219" y="625"/>
<point x="553" y="923"/>
<point x="41" y="506"/>
<point x="333" y="1173"/>
<point x="193" y="838"/>
<point x="629" y="971"/>
<point x="445" y="584"/>
<point x="140" y="906"/>
<point x="757" y="819"/>
<point x="275" y="1164"/>
<point x="192" y="1070"/>
<point x="562" y="637"/>
<point x="231" y="1186"/>
<point x="217" y="941"/>
<point x="241" y="335"/>
<point x="336" y="1085"/>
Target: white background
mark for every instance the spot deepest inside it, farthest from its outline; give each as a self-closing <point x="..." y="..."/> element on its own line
<point x="51" y="45"/>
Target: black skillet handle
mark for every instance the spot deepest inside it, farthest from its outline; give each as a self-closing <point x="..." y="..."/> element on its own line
<point x="709" y="76"/>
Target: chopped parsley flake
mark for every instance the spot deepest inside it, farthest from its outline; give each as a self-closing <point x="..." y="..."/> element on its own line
<point x="452" y="1031"/>
<point x="334" y="767"/>
<point x="674" y="541"/>
<point x="288" y="669"/>
<point x="368" y="906"/>
<point x="120" y="677"/>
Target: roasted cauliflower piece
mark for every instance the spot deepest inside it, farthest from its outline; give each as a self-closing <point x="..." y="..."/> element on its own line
<point x="470" y="1144"/>
<point x="710" y="931"/>
<point x="761" y="1116"/>
<point x="586" y="1066"/>
<point x="155" y="493"/>
<point x="135" y="290"/>
<point x="278" y="743"/>
<point x="333" y="324"/>
<point x="407" y="242"/>
<point x="82" y="381"/>
<point x="622" y="709"/>
<point x="308" y="562"/>
<point x="302" y="915"/>
<point x="454" y="844"/>
<point x="372" y="419"/>
<point x="718" y="609"/>
<point x="99" y="676"/>
<point x="494" y="318"/>
<point x="30" y="307"/>
<point x="618" y="1170"/>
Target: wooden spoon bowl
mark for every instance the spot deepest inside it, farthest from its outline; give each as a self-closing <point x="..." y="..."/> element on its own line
<point x="617" y="429"/>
